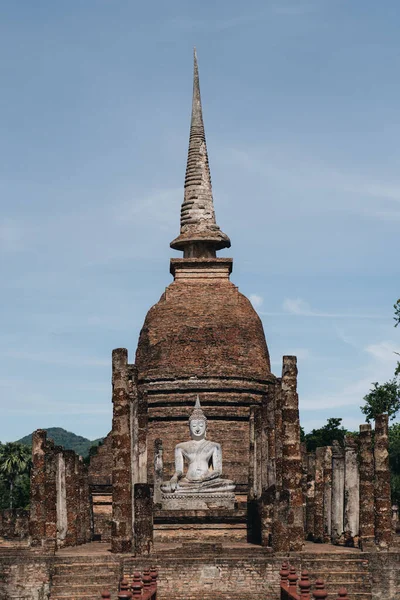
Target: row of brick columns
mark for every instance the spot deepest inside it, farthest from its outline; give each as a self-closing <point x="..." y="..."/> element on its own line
<point x="60" y="513"/>
<point x="337" y="494"/>
<point x="347" y="496"/>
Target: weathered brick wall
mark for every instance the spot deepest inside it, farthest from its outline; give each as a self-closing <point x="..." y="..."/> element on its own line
<point x="14" y="523"/>
<point x="385" y="574"/>
<point x="100" y="467"/>
<point x="212" y="577"/>
<point x="25" y="576"/>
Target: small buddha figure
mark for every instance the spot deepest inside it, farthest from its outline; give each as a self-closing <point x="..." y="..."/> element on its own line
<point x="204" y="460"/>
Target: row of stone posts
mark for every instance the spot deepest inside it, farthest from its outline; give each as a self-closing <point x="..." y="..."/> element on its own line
<point x="347" y="498"/>
<point x="60" y="513"/>
<point x="338" y="494"/>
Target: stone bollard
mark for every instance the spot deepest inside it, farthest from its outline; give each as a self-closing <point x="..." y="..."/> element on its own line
<point x="136" y="585"/>
<point x="305" y="585"/>
<point x="292" y="579"/>
<point x="105" y="595"/>
<point x="147" y="583"/>
<point x="284" y="572"/>
<point x="320" y="592"/>
<point x="124" y="585"/>
<point x="154" y="576"/>
<point x="343" y="594"/>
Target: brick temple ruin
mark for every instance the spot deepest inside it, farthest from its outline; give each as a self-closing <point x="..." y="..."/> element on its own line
<point x="203" y="342"/>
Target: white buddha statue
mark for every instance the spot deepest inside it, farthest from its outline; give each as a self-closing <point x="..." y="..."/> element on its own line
<point x="204" y="460"/>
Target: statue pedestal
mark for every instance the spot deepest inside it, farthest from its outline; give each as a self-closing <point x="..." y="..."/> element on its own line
<point x="197" y="501"/>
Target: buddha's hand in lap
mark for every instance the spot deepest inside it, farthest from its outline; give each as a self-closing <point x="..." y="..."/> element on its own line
<point x="211" y="475"/>
<point x="174" y="483"/>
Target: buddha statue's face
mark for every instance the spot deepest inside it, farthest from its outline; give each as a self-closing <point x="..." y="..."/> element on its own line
<point x="197" y="429"/>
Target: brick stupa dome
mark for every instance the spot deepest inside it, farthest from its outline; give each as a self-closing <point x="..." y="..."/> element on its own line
<point x="202" y="329"/>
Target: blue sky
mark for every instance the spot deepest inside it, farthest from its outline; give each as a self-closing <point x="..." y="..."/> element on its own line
<point x="301" y="108"/>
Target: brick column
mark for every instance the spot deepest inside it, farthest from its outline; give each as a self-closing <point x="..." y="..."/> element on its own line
<point x="367" y="477"/>
<point x="158" y="470"/>
<point x="143" y="538"/>
<point x="337" y="492"/>
<point x="61" y="500"/>
<point x="121" y="530"/>
<point x="383" y="505"/>
<point x="319" y="495"/>
<point x="72" y="499"/>
<point x="351" y="491"/>
<point x="310" y="496"/>
<point x="50" y="500"/>
<point x="327" y="493"/>
<point x="280" y="537"/>
<point x="291" y="456"/>
<point x="268" y="473"/>
<point x="38" y="492"/>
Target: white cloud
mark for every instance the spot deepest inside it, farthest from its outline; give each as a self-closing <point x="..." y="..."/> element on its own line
<point x="256" y="300"/>
<point x="384" y="351"/>
<point x="299" y="307"/>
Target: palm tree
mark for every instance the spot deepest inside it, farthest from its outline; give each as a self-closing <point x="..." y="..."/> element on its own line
<point x="15" y="460"/>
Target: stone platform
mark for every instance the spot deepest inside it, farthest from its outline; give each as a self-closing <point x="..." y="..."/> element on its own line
<point x="200" y="525"/>
<point x="197" y="501"/>
<point x="212" y="571"/>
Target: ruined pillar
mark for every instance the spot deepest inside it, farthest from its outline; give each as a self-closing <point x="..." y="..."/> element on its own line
<point x="367" y="477"/>
<point x="268" y="495"/>
<point x="61" y="499"/>
<point x="38" y="492"/>
<point x="304" y="474"/>
<point x="319" y="495"/>
<point x="84" y="533"/>
<point x="72" y="497"/>
<point x="280" y="537"/>
<point x="383" y="505"/>
<point x="291" y="456"/>
<point x="337" y="493"/>
<point x="143" y="518"/>
<point x="310" y="496"/>
<point x="252" y="508"/>
<point x="143" y="423"/>
<point x="351" y="492"/>
<point x="271" y="440"/>
<point x="50" y="499"/>
<point x="158" y="470"/>
<point x="258" y="452"/>
<point x="121" y="529"/>
<point x="327" y="493"/>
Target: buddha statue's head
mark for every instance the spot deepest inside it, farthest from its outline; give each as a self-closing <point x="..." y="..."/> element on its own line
<point x="197" y="422"/>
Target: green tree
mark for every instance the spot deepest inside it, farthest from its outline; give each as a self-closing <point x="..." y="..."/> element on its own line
<point x="382" y="398"/>
<point x="324" y="436"/>
<point x="15" y="460"/>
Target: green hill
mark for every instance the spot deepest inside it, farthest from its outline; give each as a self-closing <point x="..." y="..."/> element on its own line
<point x="67" y="439"/>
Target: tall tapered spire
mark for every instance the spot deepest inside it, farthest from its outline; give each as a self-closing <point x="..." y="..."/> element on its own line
<point x="200" y="235"/>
